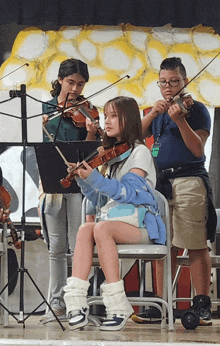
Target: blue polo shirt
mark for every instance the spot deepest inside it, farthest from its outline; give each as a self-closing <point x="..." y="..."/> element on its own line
<point x="68" y="132"/>
<point x="173" y="151"/>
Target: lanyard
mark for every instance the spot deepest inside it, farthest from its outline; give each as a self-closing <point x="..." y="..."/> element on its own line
<point x="162" y="130"/>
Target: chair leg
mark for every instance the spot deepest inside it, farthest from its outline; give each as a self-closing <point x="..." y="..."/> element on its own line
<point x="165" y="293"/>
<point x="185" y="253"/>
<point x="142" y="281"/>
<point x="169" y="291"/>
<point x="95" y="288"/>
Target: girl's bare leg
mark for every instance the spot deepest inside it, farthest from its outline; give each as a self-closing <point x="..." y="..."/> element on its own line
<point x="83" y="254"/>
<point x="106" y="235"/>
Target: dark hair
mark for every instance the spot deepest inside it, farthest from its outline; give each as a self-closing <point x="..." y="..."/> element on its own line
<point x="172" y="64"/>
<point x="129" y="120"/>
<point x="68" y="67"/>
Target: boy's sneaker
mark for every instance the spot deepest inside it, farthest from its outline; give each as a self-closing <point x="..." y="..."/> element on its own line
<point x="202" y="304"/>
<point x="151" y="315"/>
<point x="59" y="308"/>
<point x="205" y="318"/>
<point x="78" y="318"/>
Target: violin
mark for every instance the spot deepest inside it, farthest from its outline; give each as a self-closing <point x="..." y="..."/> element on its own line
<point x="96" y="159"/>
<point x="78" y="110"/>
<point x="184" y="100"/>
<point x="5" y="201"/>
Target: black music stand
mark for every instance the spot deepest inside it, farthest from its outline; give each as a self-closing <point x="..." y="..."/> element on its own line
<point x="54" y="187"/>
<point x="52" y="167"/>
<point x="22" y="270"/>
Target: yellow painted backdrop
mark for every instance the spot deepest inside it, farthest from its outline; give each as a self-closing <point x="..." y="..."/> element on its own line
<point x="111" y="53"/>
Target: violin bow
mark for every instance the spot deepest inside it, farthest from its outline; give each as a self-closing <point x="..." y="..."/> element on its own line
<point x="57" y="148"/>
<point x="14" y="70"/>
<point x="106" y="88"/>
<point x="195" y="76"/>
<point x="79" y="103"/>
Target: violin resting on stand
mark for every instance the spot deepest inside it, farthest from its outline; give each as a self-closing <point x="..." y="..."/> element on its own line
<point x="30" y="235"/>
<point x="5" y="201"/>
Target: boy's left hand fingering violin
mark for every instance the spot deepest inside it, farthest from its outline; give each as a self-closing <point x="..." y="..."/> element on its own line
<point x="184" y="100"/>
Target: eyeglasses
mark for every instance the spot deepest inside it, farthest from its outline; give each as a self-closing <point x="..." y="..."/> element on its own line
<point x="172" y="83"/>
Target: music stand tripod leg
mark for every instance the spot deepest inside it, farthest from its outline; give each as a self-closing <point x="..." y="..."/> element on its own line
<point x="5" y="274"/>
<point x="44" y="300"/>
<point x="22" y="270"/>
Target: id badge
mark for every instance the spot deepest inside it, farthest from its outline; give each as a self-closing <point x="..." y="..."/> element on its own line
<point x="155" y="149"/>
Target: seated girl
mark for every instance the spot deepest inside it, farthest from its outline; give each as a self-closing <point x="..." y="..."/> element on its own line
<point x="128" y="185"/>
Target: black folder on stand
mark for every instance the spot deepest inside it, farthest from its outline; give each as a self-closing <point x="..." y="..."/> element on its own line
<point x="52" y="167"/>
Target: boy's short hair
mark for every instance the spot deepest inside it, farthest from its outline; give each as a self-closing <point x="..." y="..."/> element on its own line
<point x="172" y="64"/>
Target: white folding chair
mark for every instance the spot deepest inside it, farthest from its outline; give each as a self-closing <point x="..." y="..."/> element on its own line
<point x="147" y="253"/>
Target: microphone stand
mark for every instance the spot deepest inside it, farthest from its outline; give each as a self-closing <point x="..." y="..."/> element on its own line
<point x="22" y="270"/>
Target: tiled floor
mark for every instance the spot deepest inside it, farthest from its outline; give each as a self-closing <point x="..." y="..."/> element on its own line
<point x="36" y="259"/>
<point x="133" y="334"/>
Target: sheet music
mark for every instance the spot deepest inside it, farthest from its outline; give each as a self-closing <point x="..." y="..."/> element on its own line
<point x="11" y="127"/>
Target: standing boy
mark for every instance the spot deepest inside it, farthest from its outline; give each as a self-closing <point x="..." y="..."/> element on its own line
<point x="178" y="149"/>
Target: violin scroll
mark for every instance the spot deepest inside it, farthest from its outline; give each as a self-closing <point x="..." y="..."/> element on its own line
<point x="14" y="235"/>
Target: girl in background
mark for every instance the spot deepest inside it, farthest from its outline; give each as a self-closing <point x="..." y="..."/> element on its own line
<point x="60" y="213"/>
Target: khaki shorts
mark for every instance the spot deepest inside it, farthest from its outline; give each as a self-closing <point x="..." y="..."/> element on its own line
<point x="188" y="213"/>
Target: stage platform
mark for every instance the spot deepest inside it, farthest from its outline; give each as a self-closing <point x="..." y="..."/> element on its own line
<point x="35" y="334"/>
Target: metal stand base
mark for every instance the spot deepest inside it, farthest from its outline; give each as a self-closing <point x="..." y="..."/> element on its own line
<point x="4" y="301"/>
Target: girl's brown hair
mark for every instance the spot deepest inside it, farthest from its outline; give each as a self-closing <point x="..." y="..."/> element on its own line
<point x="129" y="121"/>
